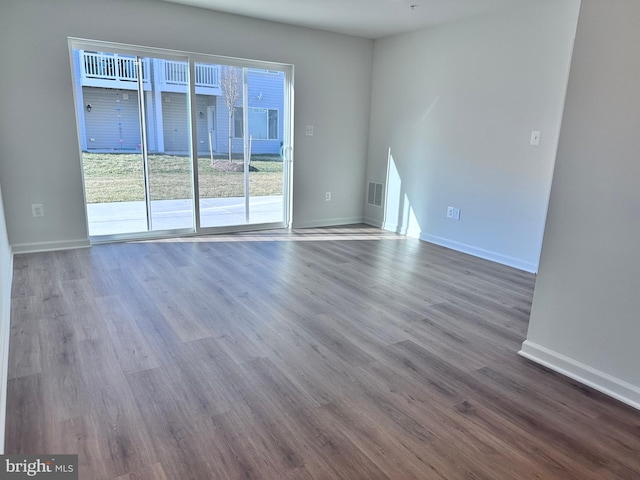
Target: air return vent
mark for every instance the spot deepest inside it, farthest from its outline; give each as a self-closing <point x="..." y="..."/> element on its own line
<point x="375" y="194"/>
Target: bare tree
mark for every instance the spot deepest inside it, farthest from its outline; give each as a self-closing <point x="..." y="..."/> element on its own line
<point x="230" y="86"/>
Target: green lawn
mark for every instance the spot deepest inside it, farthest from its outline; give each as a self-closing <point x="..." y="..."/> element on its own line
<point x="118" y="177"/>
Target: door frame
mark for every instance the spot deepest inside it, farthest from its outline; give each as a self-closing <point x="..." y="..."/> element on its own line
<point x="193" y="58"/>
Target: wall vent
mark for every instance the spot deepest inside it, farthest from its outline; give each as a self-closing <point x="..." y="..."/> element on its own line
<point x="374" y="196"/>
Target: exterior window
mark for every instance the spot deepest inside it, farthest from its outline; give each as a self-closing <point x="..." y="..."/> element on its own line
<point x="237" y="122"/>
<point x="263" y="123"/>
<point x="273" y="124"/>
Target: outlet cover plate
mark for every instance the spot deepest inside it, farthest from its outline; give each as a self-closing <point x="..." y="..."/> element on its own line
<point x="37" y="210"/>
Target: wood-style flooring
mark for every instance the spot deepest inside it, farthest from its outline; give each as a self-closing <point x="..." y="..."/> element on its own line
<point x="337" y="353"/>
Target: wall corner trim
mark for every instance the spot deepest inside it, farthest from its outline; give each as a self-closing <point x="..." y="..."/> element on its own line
<point x="603" y="382"/>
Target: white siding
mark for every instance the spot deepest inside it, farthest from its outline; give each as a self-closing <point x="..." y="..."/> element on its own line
<point x="266" y="90"/>
<point x="175" y="126"/>
<point x="113" y="122"/>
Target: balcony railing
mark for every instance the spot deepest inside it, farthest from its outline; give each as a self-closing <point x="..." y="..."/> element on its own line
<point x="100" y="66"/>
<point x="121" y="71"/>
<point x="176" y="73"/>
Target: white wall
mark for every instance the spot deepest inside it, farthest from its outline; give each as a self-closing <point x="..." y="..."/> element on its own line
<point x="585" y="320"/>
<point x="6" y="276"/>
<point x="38" y="139"/>
<point x="456" y="105"/>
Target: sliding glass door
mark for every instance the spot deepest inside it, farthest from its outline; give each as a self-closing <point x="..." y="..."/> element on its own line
<point x="168" y="142"/>
<point x="242" y="170"/>
<point x="177" y="143"/>
<point x="111" y="138"/>
<point x="135" y="138"/>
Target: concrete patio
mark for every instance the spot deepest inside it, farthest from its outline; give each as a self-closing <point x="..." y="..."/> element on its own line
<point x="130" y="217"/>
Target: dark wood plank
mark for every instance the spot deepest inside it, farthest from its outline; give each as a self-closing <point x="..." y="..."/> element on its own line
<point x="328" y="353"/>
<point x="152" y="472"/>
<point x="26" y="416"/>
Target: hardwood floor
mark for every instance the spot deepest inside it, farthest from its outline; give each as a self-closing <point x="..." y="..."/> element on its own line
<point x="337" y="353"/>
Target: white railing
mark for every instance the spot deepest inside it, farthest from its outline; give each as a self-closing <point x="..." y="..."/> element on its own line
<point x="123" y="68"/>
<point x="175" y="73"/>
<point x="101" y="66"/>
<point x="207" y="75"/>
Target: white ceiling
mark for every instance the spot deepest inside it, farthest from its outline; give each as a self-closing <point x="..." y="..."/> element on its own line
<point x="363" y="18"/>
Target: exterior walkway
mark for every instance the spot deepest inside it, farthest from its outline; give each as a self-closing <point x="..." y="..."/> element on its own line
<point x="130" y="217"/>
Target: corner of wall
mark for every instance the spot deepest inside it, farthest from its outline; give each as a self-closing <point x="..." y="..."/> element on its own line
<point x="512" y="262"/>
<point x="603" y="382"/>
<point x="374" y="222"/>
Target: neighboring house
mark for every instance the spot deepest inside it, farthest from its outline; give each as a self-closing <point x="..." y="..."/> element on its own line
<point x="107" y="98"/>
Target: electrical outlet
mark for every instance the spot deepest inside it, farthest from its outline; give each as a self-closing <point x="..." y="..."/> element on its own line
<point x="456" y="214"/>
<point x="309" y="130"/>
<point x="449" y="212"/>
<point x="37" y="210"/>
<point x="327" y="196"/>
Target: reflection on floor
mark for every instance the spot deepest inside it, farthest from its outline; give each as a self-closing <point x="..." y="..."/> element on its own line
<point x="130" y="217"/>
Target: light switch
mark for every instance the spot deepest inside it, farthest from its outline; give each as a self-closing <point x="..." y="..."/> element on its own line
<point x="535" y="138"/>
<point x="37" y="210"/>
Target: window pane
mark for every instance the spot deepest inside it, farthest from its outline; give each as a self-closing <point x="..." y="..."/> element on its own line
<point x="237" y="122"/>
<point x="273" y="124"/>
<point x="258" y="123"/>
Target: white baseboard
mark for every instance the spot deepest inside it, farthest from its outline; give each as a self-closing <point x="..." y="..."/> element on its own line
<point x="460" y="247"/>
<point x="402" y="230"/>
<point x="413" y="233"/>
<point x="5" y="333"/>
<point x="374" y="222"/>
<point x="394" y="227"/>
<point x="603" y="382"/>
<point x="331" y="222"/>
<point x="50" y="246"/>
<point x="481" y="253"/>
